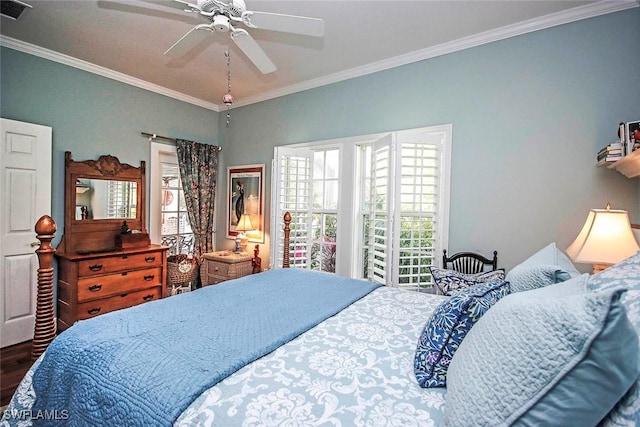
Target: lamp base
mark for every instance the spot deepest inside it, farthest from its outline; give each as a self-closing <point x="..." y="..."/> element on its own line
<point x="597" y="268"/>
<point x="243" y="244"/>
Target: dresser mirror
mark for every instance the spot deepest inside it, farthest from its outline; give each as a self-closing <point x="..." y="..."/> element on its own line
<point x="105" y="199"/>
<point x="99" y="195"/>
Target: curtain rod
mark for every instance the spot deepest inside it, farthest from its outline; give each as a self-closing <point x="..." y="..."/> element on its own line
<point x="153" y="136"/>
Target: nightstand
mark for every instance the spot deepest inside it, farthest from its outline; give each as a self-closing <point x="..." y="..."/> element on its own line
<point x="220" y="266"/>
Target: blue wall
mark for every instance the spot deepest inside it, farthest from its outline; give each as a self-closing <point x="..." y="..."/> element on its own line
<point x="529" y="114"/>
<point x="93" y="115"/>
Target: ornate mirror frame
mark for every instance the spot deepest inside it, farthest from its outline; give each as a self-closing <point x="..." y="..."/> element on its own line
<point x="99" y="235"/>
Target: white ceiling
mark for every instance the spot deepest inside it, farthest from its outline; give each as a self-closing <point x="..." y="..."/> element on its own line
<point x="125" y="40"/>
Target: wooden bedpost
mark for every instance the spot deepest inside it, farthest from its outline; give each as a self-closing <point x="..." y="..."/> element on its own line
<point x="287" y="233"/>
<point x="256" y="262"/>
<point x="45" y="328"/>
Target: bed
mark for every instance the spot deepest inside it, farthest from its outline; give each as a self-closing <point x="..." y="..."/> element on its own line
<point x="346" y="357"/>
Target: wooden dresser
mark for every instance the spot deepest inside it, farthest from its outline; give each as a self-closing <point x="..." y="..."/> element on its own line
<point x="94" y="284"/>
<point x="105" y="261"/>
<point x="220" y="266"/>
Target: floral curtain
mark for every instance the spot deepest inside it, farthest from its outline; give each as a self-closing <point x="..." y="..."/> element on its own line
<point x="198" y="165"/>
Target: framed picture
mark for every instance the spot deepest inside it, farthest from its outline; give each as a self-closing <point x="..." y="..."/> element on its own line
<point x="631" y="131"/>
<point x="245" y="195"/>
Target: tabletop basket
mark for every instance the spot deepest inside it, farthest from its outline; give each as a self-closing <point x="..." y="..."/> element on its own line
<point x="181" y="269"/>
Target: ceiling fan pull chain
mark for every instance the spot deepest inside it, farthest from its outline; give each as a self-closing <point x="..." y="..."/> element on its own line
<point x="228" y="99"/>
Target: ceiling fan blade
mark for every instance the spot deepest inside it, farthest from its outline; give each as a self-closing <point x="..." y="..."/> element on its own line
<point x="183" y="4"/>
<point x="254" y="52"/>
<point x="285" y="23"/>
<point x="189" y="41"/>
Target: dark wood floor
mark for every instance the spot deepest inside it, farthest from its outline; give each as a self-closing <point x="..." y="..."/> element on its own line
<point x="15" y="361"/>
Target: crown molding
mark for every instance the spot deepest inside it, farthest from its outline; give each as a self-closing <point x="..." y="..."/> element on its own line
<point x="576" y="14"/>
<point x="102" y="71"/>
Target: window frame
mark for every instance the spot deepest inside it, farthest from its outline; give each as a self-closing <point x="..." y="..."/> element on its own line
<point x="158" y="151"/>
<point x="350" y="239"/>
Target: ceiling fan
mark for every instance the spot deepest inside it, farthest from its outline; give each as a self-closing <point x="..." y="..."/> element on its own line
<point x="223" y="16"/>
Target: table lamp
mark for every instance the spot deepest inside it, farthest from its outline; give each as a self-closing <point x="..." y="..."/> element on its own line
<point x="244" y="224"/>
<point x="605" y="239"/>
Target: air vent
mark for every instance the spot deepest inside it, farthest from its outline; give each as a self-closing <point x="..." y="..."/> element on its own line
<point x="12" y="9"/>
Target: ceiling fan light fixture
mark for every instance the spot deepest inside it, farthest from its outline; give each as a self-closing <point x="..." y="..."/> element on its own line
<point x="221" y="23"/>
<point x="225" y="15"/>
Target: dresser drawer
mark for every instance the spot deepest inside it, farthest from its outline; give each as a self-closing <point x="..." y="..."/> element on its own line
<point x="217" y="268"/>
<point x="102" y="286"/>
<point x="90" y="309"/>
<point x="94" y="267"/>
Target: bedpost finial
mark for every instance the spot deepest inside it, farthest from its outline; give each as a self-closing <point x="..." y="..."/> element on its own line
<point x="45" y="225"/>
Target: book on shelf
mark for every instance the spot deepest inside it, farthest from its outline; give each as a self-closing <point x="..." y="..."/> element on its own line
<point x="610" y="152"/>
<point x="614" y="146"/>
<point x="608" y="160"/>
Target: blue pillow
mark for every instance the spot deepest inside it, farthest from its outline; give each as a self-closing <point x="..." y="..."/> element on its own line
<point x="559" y="355"/>
<point x="450" y="281"/>
<point x="547" y="266"/>
<point x="448" y="325"/>
<point x="627" y="274"/>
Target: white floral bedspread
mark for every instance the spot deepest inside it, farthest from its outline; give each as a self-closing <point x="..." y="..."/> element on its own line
<point x="355" y="368"/>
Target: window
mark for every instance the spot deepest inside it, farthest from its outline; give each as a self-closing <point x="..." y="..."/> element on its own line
<point x="390" y="223"/>
<point x="121" y="199"/>
<point x="324" y="210"/>
<point x="169" y="218"/>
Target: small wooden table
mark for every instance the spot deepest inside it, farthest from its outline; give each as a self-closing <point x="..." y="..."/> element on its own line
<point x="224" y="265"/>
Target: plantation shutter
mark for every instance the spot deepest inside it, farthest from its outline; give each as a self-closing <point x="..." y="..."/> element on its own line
<point x="407" y="228"/>
<point x="120" y="199"/>
<point x="382" y="189"/>
<point x="418" y="210"/>
<point x="292" y="193"/>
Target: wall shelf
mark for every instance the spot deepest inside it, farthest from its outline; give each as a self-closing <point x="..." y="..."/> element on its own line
<point x="629" y="165"/>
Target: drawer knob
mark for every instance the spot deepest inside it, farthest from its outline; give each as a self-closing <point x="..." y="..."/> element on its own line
<point x="150" y="259"/>
<point x="216" y="269"/>
<point x="149" y="277"/>
<point x="96" y="287"/>
<point x="95" y="267"/>
<point x="93" y="311"/>
<point x="124" y="273"/>
<point x="125" y="256"/>
<point x="148" y="297"/>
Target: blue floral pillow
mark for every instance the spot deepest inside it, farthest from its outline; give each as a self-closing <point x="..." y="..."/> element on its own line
<point x="447" y="327"/>
<point x="451" y="281"/>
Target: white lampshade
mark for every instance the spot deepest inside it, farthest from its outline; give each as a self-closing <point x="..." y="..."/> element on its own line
<point x="605" y="238"/>
<point x="244" y="224"/>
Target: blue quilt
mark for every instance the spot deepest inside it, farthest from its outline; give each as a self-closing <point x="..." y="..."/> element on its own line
<point x="146" y="364"/>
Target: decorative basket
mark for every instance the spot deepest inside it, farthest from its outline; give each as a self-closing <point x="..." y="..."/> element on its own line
<point x="181" y="269"/>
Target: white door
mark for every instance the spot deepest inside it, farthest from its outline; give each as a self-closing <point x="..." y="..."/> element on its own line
<point x="25" y="191"/>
